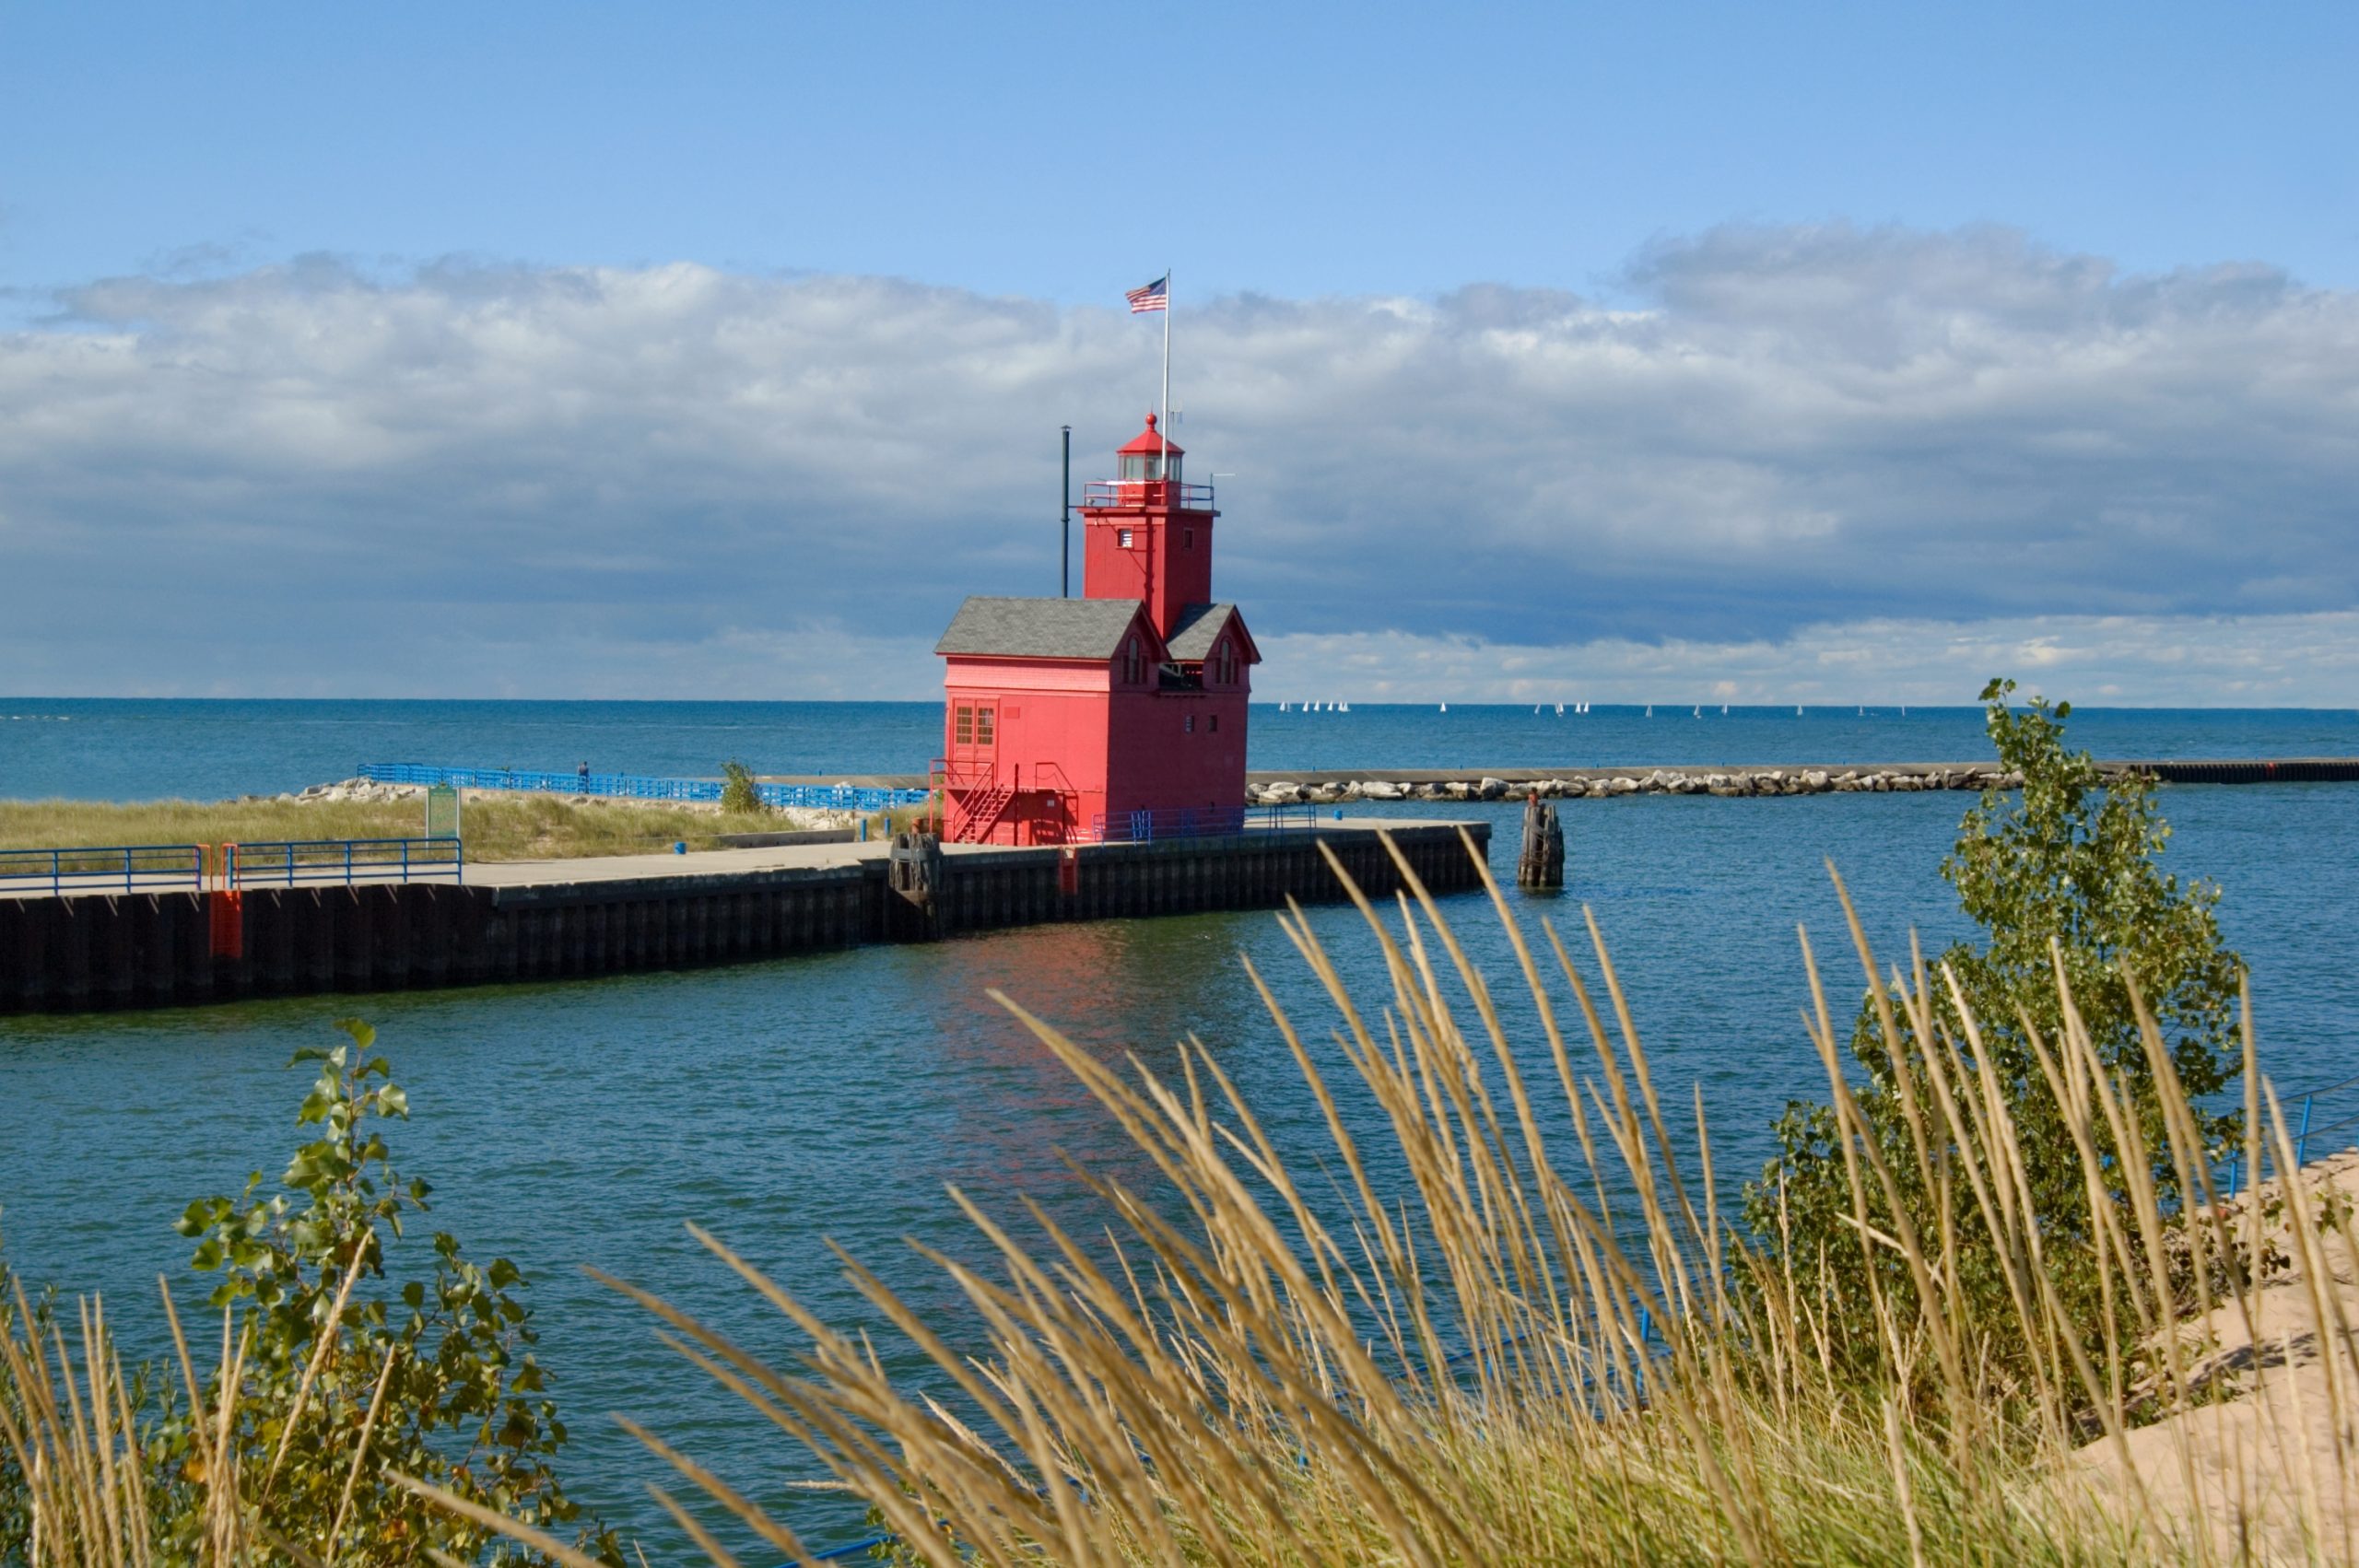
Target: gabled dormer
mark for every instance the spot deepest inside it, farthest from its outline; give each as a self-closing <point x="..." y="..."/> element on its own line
<point x="1210" y="647"/>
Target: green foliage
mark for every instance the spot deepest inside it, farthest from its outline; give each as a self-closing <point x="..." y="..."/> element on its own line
<point x="304" y="1278"/>
<point x="738" y="795"/>
<point x="2061" y="874"/>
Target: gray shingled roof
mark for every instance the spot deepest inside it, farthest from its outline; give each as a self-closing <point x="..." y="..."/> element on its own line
<point x="1039" y="629"/>
<point x="1191" y="639"/>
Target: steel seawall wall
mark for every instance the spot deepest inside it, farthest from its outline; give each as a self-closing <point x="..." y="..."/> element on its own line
<point x="96" y="953"/>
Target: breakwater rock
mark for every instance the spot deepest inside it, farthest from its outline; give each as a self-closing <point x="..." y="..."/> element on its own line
<point x="1599" y="784"/>
<point x="346" y="789"/>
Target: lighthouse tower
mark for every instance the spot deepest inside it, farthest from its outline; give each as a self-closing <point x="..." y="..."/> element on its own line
<point x="1117" y="716"/>
<point x="1146" y="535"/>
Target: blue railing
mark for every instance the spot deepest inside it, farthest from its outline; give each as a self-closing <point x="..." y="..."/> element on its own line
<point x="640" y="787"/>
<point x="2338" y="1101"/>
<point x="132" y="867"/>
<point x="345" y="860"/>
<point x="1200" y="822"/>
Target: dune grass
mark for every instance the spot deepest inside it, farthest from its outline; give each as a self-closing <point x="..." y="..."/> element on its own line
<point x="519" y="827"/>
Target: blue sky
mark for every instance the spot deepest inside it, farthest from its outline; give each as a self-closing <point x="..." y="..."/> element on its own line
<point x="1642" y="350"/>
<point x="1049" y="150"/>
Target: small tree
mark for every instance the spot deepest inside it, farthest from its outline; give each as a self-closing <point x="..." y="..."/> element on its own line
<point x="348" y="1376"/>
<point x="2062" y="868"/>
<point x="738" y="794"/>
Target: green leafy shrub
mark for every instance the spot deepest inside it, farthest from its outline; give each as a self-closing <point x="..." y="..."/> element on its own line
<point x="2060" y="876"/>
<point x="738" y="795"/>
<point x="350" y="1372"/>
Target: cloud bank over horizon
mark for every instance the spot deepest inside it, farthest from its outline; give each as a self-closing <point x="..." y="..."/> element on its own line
<point x="1785" y="464"/>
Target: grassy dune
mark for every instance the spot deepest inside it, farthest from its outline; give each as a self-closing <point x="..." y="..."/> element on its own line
<point x="520" y="827"/>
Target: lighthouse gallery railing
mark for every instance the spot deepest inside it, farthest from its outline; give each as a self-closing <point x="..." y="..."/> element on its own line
<point x="1147" y="493"/>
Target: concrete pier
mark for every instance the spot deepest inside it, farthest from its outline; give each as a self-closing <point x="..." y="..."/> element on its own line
<point x="552" y="919"/>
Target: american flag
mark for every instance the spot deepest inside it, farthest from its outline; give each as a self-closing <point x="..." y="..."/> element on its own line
<point x="1151" y="298"/>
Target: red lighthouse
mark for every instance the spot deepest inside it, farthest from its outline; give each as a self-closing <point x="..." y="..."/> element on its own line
<point x="1120" y="715"/>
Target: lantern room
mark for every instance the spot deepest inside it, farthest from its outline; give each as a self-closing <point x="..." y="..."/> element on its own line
<point x="1144" y="460"/>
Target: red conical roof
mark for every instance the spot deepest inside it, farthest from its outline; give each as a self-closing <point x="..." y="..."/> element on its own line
<point x="1150" y="443"/>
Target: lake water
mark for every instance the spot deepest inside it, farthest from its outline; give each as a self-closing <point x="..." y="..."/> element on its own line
<point x="835" y="1095"/>
<point x="133" y="749"/>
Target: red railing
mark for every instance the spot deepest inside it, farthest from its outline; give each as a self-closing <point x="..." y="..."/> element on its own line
<point x="1144" y="493"/>
<point x="983" y="794"/>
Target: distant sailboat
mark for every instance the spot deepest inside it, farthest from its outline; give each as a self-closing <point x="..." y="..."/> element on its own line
<point x="1797" y="711"/>
<point x="1651" y="710"/>
<point x="1724" y="711"/>
<point x="1346" y="708"/>
<point x="1560" y="710"/>
<point x="1445" y="707"/>
<point x="1699" y="712"/>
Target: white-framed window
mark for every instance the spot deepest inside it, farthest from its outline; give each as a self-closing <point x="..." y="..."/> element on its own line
<point x="1122" y="537"/>
<point x="1187" y="725"/>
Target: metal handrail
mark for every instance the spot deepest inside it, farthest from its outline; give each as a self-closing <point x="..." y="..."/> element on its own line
<point x="1199" y="822"/>
<point x="640" y="787"/>
<point x="138" y="868"/>
<point x="1143" y="493"/>
<point x="346" y="860"/>
<point x="2238" y="1178"/>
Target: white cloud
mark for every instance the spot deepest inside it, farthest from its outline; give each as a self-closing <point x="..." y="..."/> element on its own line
<point x="1806" y="453"/>
<point x="2303" y="661"/>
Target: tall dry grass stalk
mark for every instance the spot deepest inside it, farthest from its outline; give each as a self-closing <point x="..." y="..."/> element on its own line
<point x="69" y="1428"/>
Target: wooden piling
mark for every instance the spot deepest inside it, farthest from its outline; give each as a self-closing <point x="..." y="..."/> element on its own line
<point x="1540" y="864"/>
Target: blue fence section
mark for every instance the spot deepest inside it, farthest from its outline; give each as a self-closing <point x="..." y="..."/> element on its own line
<point x="129" y="868"/>
<point x="1206" y="822"/>
<point x="640" y="787"/>
<point x="2318" y="1115"/>
<point x="346" y="860"/>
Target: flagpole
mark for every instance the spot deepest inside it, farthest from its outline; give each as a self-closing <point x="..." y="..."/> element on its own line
<point x="1165" y="422"/>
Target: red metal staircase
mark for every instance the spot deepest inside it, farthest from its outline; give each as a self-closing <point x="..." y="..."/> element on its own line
<point x="980" y="813"/>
